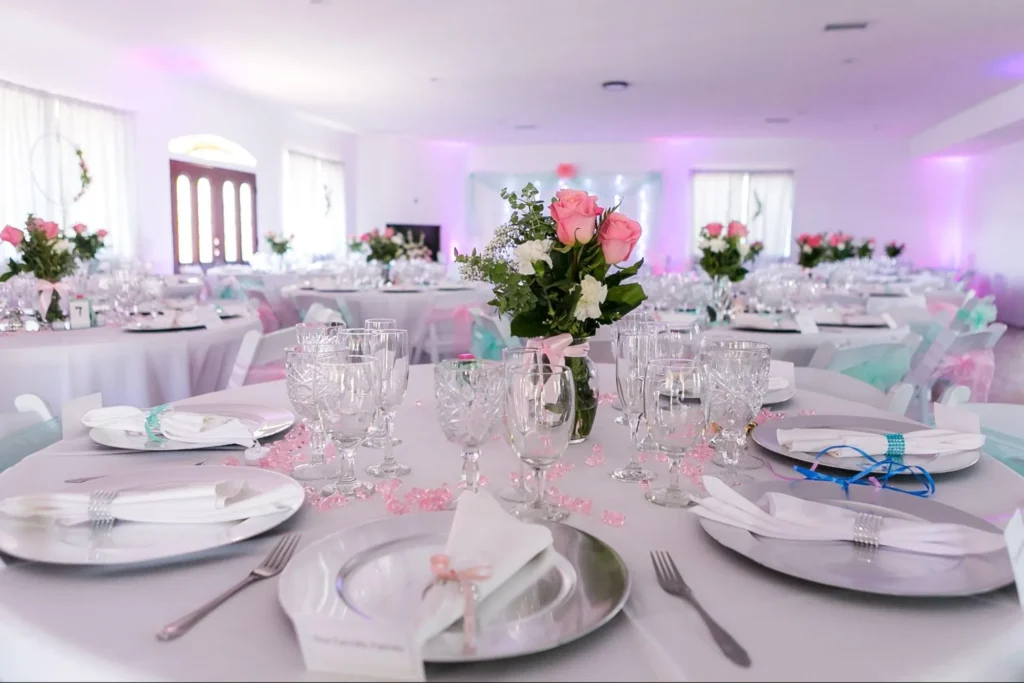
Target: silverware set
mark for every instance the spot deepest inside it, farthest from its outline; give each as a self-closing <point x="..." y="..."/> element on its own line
<point x="671" y="581"/>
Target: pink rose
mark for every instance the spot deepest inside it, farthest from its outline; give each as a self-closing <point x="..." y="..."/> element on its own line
<point x="101" y="234"/>
<point x="365" y="237"/>
<point x="814" y="241"/>
<point x="803" y="238"/>
<point x="871" y="241"/>
<point x="713" y="229"/>
<point x="617" y="237"/>
<point x="575" y="213"/>
<point x="833" y="240"/>
<point x="12" y="235"/>
<point x="38" y="223"/>
<point x="389" y="233"/>
<point x="737" y="229"/>
<point x="50" y="229"/>
<point x="79" y="228"/>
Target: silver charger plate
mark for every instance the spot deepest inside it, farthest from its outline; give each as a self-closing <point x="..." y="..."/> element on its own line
<point x="379" y="570"/>
<point x="883" y="571"/>
<point x="160" y="326"/>
<point x="765" y="436"/>
<point x="263" y="420"/>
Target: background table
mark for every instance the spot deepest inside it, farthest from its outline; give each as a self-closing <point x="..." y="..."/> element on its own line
<point x="134" y="368"/>
<point x="100" y="625"/>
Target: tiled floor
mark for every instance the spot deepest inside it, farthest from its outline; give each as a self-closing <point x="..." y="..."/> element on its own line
<point x="1008" y="384"/>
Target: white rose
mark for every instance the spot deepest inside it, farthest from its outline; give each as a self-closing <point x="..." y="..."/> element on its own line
<point x="743" y="249"/>
<point x="718" y="245"/>
<point x="62" y="246"/>
<point x="807" y="249"/>
<point x="703" y="244"/>
<point x="397" y="238"/>
<point x="530" y="252"/>
<point x="592" y="295"/>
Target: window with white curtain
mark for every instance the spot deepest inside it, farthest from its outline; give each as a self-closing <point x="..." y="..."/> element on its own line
<point x="315" y="204"/>
<point x="762" y="200"/>
<point x="40" y="171"/>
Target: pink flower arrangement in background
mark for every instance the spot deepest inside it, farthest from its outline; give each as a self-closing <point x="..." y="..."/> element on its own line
<point x="12" y="236"/>
<point x="713" y="229"/>
<point x="840" y="247"/>
<point x="575" y="213"/>
<point x="737" y="229"/>
<point x="724" y="251"/>
<point x="86" y="245"/>
<point x="811" y="249"/>
<point x="893" y="249"/>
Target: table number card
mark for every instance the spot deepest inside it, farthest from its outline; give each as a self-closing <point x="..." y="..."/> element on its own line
<point x="805" y="323"/>
<point x="81" y="314"/>
<point x="356" y="648"/>
<point x="209" y="317"/>
<point x="1014" y="535"/>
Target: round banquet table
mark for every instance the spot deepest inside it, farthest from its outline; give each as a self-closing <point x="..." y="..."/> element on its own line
<point x="131" y="368"/>
<point x="410" y="309"/>
<point x="69" y="623"/>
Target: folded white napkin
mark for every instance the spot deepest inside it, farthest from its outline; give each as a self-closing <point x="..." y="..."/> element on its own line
<point x="199" y="503"/>
<point x="764" y="322"/>
<point x="794" y="519"/>
<point x="834" y="316"/>
<point x="178" y="425"/>
<point x="482" y="535"/>
<point x="921" y="442"/>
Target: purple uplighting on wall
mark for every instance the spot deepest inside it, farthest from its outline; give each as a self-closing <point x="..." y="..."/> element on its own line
<point x="945" y="184"/>
<point x="167" y="60"/>
<point x="1012" y="66"/>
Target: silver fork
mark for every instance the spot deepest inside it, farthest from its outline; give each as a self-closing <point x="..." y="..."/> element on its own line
<point x="82" y="480"/>
<point x="271" y="566"/>
<point x="671" y="581"/>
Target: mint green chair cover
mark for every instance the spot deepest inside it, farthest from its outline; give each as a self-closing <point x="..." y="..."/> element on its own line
<point x="27" y="441"/>
<point x="982" y="316"/>
<point x="885" y="372"/>
<point x="1007" y="449"/>
<point x="484" y="344"/>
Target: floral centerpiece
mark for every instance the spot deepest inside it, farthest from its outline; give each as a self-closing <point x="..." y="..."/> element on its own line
<point x="86" y="246"/>
<point x="416" y="249"/>
<point x="46" y="254"/>
<point x="812" y="250"/>
<point x="558" y="277"/>
<point x="279" y="244"/>
<point x="383" y="247"/>
<point x="724" y="251"/>
<point x="894" y="249"/>
<point x="866" y="249"/>
<point x="840" y="247"/>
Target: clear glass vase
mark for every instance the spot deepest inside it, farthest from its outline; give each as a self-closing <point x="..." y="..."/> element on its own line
<point x="720" y="300"/>
<point x="584" y="375"/>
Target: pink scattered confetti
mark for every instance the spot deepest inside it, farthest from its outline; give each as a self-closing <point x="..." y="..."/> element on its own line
<point x="694" y="472"/>
<point x="702" y="452"/>
<point x="806" y="412"/>
<point x="661" y="456"/>
<point x="766" y="414"/>
<point x="495" y="437"/>
<point x="612" y="518"/>
<point x="596" y="448"/>
<point x="231" y="462"/>
<point x="481" y="482"/>
<point x="642" y="457"/>
<point x="322" y="503"/>
<point x="606" y="398"/>
<point x="595" y="460"/>
<point x="645" y="484"/>
<point x="419" y="403"/>
<point x="559" y="470"/>
<point x="396" y="507"/>
<point x="363" y="494"/>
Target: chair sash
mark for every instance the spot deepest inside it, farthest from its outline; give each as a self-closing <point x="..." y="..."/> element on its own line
<point x="28" y="441"/>
<point x="486" y="345"/>
<point x="885" y="372"/>
<point x="974" y="370"/>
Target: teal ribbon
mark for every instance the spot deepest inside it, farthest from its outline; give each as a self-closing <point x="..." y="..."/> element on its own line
<point x="153" y="422"/>
<point x="897" y="447"/>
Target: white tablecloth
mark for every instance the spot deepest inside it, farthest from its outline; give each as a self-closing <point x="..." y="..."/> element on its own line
<point x="410" y="309"/>
<point x="134" y="368"/>
<point x="100" y="625"/>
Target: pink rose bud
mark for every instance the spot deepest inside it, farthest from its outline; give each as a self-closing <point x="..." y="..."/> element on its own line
<point x="737" y="229"/>
<point x="102" y="234"/>
<point x="79" y="228"/>
<point x="713" y="229"/>
<point x="575" y="213"/>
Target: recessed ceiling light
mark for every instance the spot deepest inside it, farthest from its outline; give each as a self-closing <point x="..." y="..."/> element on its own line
<point x="776" y="119"/>
<point x="526" y="126"/>
<point x="847" y="26"/>
<point x="615" y="86"/>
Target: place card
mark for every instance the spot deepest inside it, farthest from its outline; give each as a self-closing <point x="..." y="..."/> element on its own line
<point x="357" y="648"/>
<point x="1014" y="535"/>
<point x="209" y="317"/>
<point x="80" y="314"/>
<point x="72" y="412"/>
<point x="805" y="323"/>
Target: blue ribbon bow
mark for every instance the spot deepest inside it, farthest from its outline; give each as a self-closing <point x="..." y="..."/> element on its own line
<point x="878" y="474"/>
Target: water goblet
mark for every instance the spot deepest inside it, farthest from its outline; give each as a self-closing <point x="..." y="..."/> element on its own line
<point x="633" y="350"/>
<point x="675" y="420"/>
<point x="735" y="380"/>
<point x="540" y="413"/>
<point x="391" y="348"/>
<point x="318" y="333"/>
<point x="348" y="397"/>
<point x="514" y="358"/>
<point x="302" y="378"/>
<point x="380" y="324"/>
<point x="468" y="394"/>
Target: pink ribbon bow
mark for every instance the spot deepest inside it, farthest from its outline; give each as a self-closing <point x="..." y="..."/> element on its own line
<point x="443" y="572"/>
<point x="46" y="291"/>
<point x="559" y="347"/>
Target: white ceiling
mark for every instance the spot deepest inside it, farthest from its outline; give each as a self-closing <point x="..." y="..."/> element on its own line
<point x="475" y="69"/>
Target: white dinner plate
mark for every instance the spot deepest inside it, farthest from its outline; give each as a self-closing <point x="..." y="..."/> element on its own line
<point x="780" y="389"/>
<point x="884" y="571"/>
<point x="264" y="422"/>
<point x="401" y="290"/>
<point x="132" y="542"/>
<point x="378" y="571"/>
<point x="766" y="436"/>
<point x="453" y="288"/>
<point x="158" y="325"/>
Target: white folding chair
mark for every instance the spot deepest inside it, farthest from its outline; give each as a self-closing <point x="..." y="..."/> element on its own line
<point x="259" y="349"/>
<point x="30" y="429"/>
<point x="444" y="332"/>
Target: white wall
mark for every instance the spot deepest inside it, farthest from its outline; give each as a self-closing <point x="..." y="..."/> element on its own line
<point x="165" y="107"/>
<point x="865" y="188"/>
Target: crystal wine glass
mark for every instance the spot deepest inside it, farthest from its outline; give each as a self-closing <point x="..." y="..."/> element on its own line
<point x="735" y="376"/>
<point x="302" y="375"/>
<point x="675" y="420"/>
<point x="678" y="340"/>
<point x="517" y="357"/>
<point x="540" y="412"/>
<point x="391" y="348"/>
<point x="348" y="397"/>
<point x="468" y="394"/>
<point x="633" y="350"/>
<point x="318" y="333"/>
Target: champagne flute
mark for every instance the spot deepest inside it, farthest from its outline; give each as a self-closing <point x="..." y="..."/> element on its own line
<point x="391" y="348"/>
<point x="517" y="357"/>
<point x="675" y="420"/>
<point x="633" y="350"/>
<point x="376" y="438"/>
